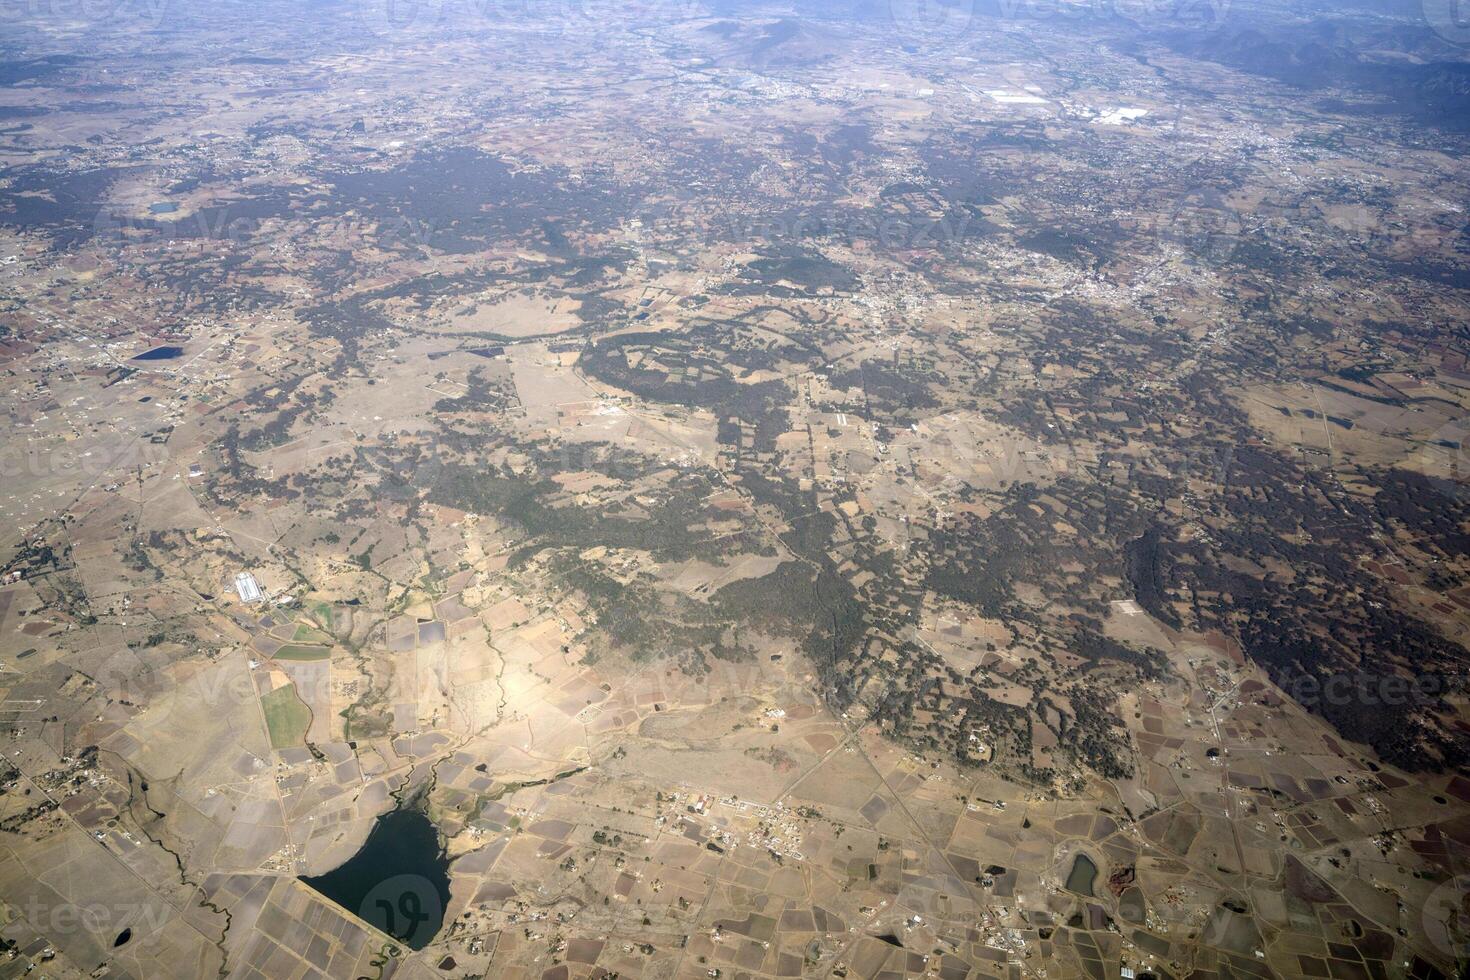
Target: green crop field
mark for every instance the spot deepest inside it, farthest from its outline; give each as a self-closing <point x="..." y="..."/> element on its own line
<point x="298" y="651"/>
<point x="286" y="716"/>
<point x="310" y="634"/>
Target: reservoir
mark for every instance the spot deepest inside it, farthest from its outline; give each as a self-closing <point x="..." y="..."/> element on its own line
<point x="398" y="881"/>
<point x="1082" y="876"/>
<point x="165" y="353"/>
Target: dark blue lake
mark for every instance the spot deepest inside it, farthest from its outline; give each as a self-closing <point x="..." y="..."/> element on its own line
<point x="398" y="881"/>
<point x="160" y="354"/>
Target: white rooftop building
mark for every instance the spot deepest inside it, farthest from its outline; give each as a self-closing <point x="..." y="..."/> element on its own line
<point x="248" y="588"/>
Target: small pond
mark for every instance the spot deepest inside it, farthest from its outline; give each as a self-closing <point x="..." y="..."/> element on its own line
<point x="1083" y="874"/>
